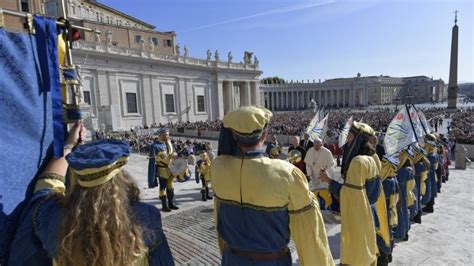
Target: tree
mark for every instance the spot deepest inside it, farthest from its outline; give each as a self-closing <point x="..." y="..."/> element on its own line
<point x="273" y="80"/>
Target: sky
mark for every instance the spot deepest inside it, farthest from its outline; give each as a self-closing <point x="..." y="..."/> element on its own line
<point x="320" y="39"/>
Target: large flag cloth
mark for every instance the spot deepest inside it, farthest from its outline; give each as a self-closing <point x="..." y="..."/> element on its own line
<point x="313" y="123"/>
<point x="345" y="132"/>
<point x="415" y="119"/>
<point x="320" y="129"/>
<point x="31" y="117"/>
<point x="423" y="120"/>
<point x="399" y="133"/>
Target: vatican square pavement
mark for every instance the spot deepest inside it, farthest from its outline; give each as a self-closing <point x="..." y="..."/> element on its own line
<point x="445" y="237"/>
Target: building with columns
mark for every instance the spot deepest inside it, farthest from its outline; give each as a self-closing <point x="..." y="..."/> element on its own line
<point x="351" y="92"/>
<point x="422" y="89"/>
<point x="133" y="75"/>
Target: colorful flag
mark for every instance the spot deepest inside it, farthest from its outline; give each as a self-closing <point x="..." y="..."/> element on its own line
<point x="399" y="133"/>
<point x="319" y="131"/>
<point x="313" y="123"/>
<point x="424" y="122"/>
<point x="345" y="132"/>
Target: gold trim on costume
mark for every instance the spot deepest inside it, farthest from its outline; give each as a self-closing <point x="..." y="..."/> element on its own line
<point x="51" y="181"/>
<point x="93" y="177"/>
<point x="90" y="171"/>
<point x="99" y="181"/>
<point x="353" y="186"/>
<point x="52" y="176"/>
<point x="251" y="206"/>
<point x="304" y="209"/>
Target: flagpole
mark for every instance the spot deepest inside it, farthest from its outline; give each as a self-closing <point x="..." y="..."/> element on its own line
<point x="421" y="122"/>
<point x="411" y="122"/>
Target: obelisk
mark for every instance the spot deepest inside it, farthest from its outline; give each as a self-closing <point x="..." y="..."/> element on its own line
<point x="453" y="67"/>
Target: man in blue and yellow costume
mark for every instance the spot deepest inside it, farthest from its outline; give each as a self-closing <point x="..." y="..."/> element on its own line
<point x="203" y="173"/>
<point x="359" y="191"/>
<point x="431" y="183"/>
<point x="406" y="183"/>
<point x="273" y="149"/>
<point x="421" y="175"/>
<point x="260" y="202"/>
<point x="388" y="176"/>
<point x="98" y="220"/>
<point x="162" y="153"/>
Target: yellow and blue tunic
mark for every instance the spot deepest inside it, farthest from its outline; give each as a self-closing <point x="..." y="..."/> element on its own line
<point x="391" y="193"/>
<point x="403" y="176"/>
<point x="261" y="202"/>
<point x="203" y="170"/>
<point x="161" y="154"/>
<point x="421" y="174"/>
<point x="431" y="182"/>
<point x="36" y="239"/>
<point x="360" y="190"/>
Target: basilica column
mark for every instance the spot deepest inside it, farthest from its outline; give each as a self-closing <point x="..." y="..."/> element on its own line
<point x="220" y="99"/>
<point x="255" y="94"/>
<point x="273" y="100"/>
<point x="366" y="96"/>
<point x="247" y="94"/>
<point x="229" y="96"/>
<point x="343" y="97"/>
<point x="297" y="100"/>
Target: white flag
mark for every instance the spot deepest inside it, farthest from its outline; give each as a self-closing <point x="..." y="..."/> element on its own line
<point x="425" y="123"/>
<point x="313" y="123"/>
<point x="399" y="133"/>
<point x="345" y="132"/>
<point x="415" y="119"/>
<point x="320" y="129"/>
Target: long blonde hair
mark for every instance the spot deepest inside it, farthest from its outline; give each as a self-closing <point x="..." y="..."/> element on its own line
<point x="98" y="226"/>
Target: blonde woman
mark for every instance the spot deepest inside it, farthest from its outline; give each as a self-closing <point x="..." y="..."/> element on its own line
<point x="98" y="220"/>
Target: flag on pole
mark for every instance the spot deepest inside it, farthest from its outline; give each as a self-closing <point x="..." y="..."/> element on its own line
<point x="399" y="134"/>
<point x="424" y="122"/>
<point x="345" y="132"/>
<point x="313" y="123"/>
<point x="416" y="123"/>
<point x="320" y="129"/>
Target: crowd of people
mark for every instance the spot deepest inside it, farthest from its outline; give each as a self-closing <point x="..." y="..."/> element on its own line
<point x="142" y="143"/>
<point x="284" y="123"/>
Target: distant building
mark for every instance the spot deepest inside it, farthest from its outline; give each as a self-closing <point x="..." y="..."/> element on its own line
<point x="134" y="75"/>
<point x="422" y="89"/>
<point x="350" y="92"/>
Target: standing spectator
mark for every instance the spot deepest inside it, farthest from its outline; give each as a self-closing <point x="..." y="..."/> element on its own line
<point x="306" y="143"/>
<point x="271" y="145"/>
<point x="295" y="145"/>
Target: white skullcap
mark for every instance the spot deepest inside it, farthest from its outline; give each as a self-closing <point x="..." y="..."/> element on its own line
<point x="318" y="139"/>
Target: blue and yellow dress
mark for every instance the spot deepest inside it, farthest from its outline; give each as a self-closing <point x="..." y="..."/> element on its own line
<point x="421" y="175"/>
<point x="387" y="205"/>
<point x="406" y="184"/>
<point x="259" y="204"/>
<point x="36" y="239"/>
<point x="431" y="182"/>
<point x="358" y="194"/>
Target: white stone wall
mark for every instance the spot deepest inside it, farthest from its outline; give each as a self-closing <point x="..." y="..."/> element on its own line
<point x="108" y="77"/>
